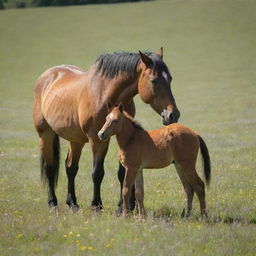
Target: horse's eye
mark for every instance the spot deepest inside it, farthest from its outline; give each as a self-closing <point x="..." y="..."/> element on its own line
<point x="154" y="81"/>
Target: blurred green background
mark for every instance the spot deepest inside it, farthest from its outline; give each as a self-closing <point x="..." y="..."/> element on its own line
<point x="209" y="47"/>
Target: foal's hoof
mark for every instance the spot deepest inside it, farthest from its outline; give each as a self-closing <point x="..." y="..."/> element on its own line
<point x="132" y="207"/>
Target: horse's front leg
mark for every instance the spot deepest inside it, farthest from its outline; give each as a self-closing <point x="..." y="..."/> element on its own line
<point x="99" y="150"/>
<point x="132" y="202"/>
<point x="71" y="163"/>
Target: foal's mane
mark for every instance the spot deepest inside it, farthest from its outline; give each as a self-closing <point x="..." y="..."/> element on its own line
<point x="134" y="123"/>
<point x="111" y="64"/>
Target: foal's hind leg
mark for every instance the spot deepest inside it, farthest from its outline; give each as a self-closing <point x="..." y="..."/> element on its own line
<point x="71" y="163"/>
<point x="49" y="146"/>
<point x="198" y="186"/>
<point x="139" y="193"/>
<point x="188" y="189"/>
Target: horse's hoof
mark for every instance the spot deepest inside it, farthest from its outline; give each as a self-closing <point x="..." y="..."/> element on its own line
<point x="98" y="208"/>
<point x="54" y="209"/>
<point x="74" y="208"/>
<point x="204" y="216"/>
<point x="185" y="214"/>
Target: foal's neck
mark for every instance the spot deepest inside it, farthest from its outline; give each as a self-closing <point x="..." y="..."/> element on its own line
<point x="126" y="133"/>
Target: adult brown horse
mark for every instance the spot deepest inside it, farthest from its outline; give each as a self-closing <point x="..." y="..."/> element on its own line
<point x="72" y="104"/>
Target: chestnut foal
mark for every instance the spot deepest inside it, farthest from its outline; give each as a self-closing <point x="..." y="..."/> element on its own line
<point x="154" y="149"/>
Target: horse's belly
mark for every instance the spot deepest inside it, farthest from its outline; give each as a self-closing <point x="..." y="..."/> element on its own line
<point x="63" y="120"/>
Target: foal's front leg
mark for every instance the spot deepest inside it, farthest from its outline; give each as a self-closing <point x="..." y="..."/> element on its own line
<point x="129" y="107"/>
<point x="129" y="179"/>
<point x="132" y="203"/>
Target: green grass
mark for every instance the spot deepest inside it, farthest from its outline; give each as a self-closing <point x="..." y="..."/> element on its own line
<point x="209" y="47"/>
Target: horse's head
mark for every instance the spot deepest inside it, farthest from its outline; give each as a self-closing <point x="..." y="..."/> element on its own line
<point x="154" y="86"/>
<point x="113" y="124"/>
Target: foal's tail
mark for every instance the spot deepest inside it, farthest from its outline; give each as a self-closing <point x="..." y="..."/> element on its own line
<point x="206" y="160"/>
<point x="50" y="173"/>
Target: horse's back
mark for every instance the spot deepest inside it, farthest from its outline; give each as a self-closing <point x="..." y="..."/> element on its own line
<point x="56" y="100"/>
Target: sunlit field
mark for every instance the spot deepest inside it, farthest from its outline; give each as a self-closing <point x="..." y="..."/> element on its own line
<point x="209" y="47"/>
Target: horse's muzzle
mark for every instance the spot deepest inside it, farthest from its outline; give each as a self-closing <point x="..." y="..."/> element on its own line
<point x="169" y="116"/>
<point x="102" y="135"/>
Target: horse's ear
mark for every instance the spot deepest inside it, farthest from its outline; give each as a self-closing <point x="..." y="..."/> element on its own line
<point x="160" y="53"/>
<point x="146" y="60"/>
<point x="120" y="107"/>
<point x="109" y="106"/>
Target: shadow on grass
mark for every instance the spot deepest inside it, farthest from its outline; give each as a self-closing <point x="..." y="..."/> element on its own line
<point x="169" y="213"/>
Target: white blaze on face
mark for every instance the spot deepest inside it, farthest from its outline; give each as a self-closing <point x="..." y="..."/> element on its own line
<point x="165" y="76"/>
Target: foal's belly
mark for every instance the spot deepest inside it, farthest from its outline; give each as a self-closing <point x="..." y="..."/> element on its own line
<point x="157" y="160"/>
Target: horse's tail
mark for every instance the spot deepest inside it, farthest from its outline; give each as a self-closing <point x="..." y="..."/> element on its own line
<point x="50" y="173"/>
<point x="206" y="160"/>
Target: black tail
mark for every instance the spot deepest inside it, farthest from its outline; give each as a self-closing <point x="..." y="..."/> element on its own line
<point x="206" y="160"/>
<point x="50" y="173"/>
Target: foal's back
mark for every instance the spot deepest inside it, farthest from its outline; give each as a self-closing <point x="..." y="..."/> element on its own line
<point x="175" y="142"/>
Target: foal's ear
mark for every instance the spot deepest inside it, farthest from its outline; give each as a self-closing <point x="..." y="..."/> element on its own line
<point x="160" y="53"/>
<point x="109" y="106"/>
<point x="146" y="60"/>
<point x="120" y="107"/>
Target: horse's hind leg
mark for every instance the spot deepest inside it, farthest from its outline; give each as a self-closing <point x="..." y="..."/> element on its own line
<point x="188" y="189"/>
<point x="99" y="150"/>
<point x="71" y="163"/>
<point x="49" y="146"/>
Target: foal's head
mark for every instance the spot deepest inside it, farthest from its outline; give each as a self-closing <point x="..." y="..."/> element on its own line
<point x="114" y="122"/>
<point x="154" y="86"/>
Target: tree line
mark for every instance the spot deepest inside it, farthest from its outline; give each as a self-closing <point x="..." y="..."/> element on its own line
<point x="37" y="3"/>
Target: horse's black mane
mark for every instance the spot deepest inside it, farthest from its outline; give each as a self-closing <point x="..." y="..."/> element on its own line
<point x="110" y="65"/>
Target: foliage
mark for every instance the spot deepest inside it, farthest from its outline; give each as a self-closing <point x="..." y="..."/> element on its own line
<point x="209" y="47"/>
<point x="29" y="3"/>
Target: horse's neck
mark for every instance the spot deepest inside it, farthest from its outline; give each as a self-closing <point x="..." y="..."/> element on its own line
<point x="125" y="134"/>
<point x="122" y="88"/>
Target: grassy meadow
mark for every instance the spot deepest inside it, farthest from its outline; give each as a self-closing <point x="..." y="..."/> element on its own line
<point x="209" y="47"/>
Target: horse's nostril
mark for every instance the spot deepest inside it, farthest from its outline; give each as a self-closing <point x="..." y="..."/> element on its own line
<point x="171" y="116"/>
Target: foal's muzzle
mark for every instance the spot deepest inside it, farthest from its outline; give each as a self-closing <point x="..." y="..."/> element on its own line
<point x="170" y="116"/>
